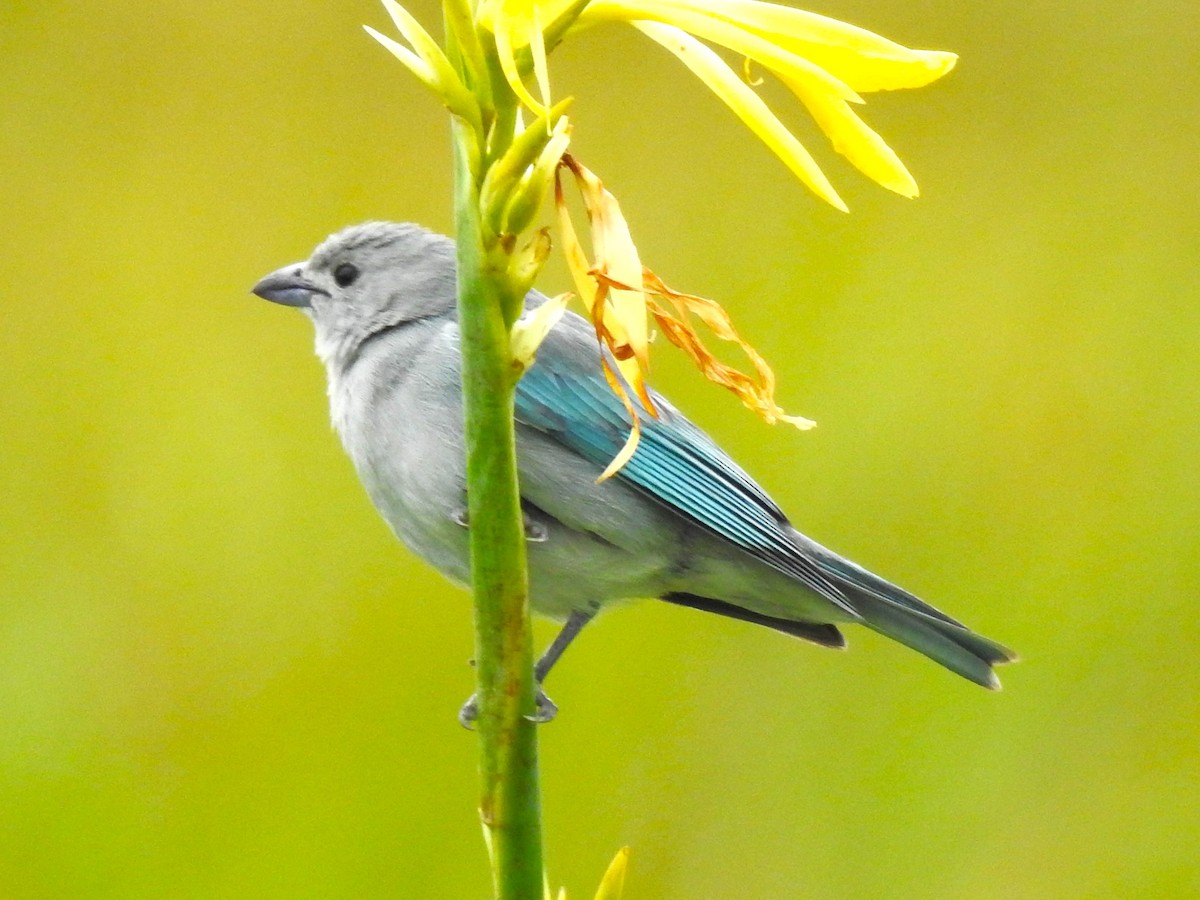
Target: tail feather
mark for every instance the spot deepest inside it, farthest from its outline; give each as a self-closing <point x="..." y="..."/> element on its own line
<point x="957" y="648"/>
<point x="895" y="613"/>
<point x="846" y="572"/>
<point x="884" y="608"/>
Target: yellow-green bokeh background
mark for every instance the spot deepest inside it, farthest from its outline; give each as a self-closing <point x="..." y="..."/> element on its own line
<point x="221" y="677"/>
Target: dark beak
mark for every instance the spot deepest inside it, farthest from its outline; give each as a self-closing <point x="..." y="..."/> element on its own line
<point x="289" y="287"/>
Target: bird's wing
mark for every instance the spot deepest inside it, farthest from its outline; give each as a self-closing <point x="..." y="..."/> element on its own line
<point x="676" y="464"/>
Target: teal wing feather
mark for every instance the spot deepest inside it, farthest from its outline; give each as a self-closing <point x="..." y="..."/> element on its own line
<point x="675" y="464"/>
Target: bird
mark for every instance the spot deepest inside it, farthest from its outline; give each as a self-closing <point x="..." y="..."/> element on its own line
<point x="680" y="522"/>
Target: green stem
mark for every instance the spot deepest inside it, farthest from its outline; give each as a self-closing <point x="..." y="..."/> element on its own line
<point x="511" y="799"/>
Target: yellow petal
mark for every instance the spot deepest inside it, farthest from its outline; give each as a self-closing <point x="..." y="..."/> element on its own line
<point x="491" y="850"/>
<point x="417" y="36"/>
<point x="852" y="137"/>
<point x="576" y="259"/>
<point x="865" y="72"/>
<point x="454" y="92"/>
<point x="727" y="34"/>
<point x="612" y="886"/>
<point x="560" y="17"/>
<point x="617" y="256"/>
<point x="862" y="59"/>
<point x="592" y="293"/>
<point x="757" y="392"/>
<point x="635" y="430"/>
<point x="531" y="329"/>
<point x="485" y="14"/>
<point x="460" y="27"/>
<point x="621" y="299"/>
<point x="412" y="62"/>
<point x="748" y="106"/>
<point x="610" y="330"/>
<point x="512" y="28"/>
<point x="541" y="71"/>
<point x="548" y="11"/>
<point x="823" y="95"/>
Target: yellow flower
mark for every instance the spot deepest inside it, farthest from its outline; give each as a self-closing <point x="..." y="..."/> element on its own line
<point x="612" y="885"/>
<point x="491" y="44"/>
<point x="827" y="64"/>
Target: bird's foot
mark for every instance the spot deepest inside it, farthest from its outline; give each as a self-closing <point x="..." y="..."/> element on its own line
<point x="545" y="710"/>
<point x="535" y="531"/>
<point x="468" y="713"/>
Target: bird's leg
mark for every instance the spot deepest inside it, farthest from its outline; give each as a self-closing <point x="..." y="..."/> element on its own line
<point x="562" y="640"/>
<point x="546" y="709"/>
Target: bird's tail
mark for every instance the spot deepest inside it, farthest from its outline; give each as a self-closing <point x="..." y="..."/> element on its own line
<point x="954" y="646"/>
<point x="897" y="614"/>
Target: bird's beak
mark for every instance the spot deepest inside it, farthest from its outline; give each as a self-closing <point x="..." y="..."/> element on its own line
<point x="289" y="287"/>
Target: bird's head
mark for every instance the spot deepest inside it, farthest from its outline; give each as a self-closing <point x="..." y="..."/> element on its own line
<point x="364" y="279"/>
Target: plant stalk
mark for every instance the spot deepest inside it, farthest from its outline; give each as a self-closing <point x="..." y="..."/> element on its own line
<point x="510" y="805"/>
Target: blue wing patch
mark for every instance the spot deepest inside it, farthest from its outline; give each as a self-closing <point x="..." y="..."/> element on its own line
<point x="676" y="464"/>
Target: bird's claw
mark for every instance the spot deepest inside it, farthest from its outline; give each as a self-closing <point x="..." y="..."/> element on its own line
<point x="545" y="710"/>
<point x="468" y="713"/>
<point x="535" y="531"/>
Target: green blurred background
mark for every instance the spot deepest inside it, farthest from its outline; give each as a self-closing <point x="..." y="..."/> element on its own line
<point x="221" y="677"/>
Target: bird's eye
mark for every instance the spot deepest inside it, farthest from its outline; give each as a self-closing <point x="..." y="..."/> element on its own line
<point x="345" y="274"/>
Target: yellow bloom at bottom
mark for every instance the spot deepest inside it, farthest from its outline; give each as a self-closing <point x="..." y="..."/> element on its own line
<point x="612" y="885"/>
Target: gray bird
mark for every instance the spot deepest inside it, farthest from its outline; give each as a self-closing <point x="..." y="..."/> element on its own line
<point x="680" y="522"/>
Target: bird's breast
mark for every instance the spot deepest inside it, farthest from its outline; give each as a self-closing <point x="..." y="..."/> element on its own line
<point x="402" y="428"/>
